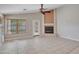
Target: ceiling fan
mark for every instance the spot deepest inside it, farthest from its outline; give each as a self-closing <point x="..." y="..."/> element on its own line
<point x="44" y="10"/>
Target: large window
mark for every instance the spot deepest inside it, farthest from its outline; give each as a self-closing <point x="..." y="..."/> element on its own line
<point x="16" y="26"/>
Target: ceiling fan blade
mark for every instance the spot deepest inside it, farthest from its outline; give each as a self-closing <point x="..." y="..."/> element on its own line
<point x="42" y="10"/>
<point x="47" y="11"/>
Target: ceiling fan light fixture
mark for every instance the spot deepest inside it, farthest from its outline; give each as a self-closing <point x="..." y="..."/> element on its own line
<point x="44" y="10"/>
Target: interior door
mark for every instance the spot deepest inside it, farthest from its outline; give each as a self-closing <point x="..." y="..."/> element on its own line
<point x="36" y="27"/>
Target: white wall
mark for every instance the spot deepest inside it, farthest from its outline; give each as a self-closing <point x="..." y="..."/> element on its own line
<point x="68" y="21"/>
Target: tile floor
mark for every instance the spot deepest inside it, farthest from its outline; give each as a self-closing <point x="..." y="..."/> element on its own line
<point x="40" y="45"/>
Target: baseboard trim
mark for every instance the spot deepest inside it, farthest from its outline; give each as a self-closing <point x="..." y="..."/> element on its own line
<point x="19" y="38"/>
<point x="66" y="37"/>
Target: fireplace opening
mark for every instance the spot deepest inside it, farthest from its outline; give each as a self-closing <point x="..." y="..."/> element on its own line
<point x="49" y="29"/>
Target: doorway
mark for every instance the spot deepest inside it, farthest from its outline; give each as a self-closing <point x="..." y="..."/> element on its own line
<point x="1" y="29"/>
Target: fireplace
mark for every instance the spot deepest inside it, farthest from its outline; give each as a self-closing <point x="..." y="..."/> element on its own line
<point x="49" y="29"/>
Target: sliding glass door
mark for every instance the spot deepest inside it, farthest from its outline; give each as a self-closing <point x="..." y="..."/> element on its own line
<point x="13" y="26"/>
<point x="16" y="26"/>
<point x="21" y="26"/>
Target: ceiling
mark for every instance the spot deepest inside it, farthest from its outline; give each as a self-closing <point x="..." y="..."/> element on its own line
<point x="25" y="8"/>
